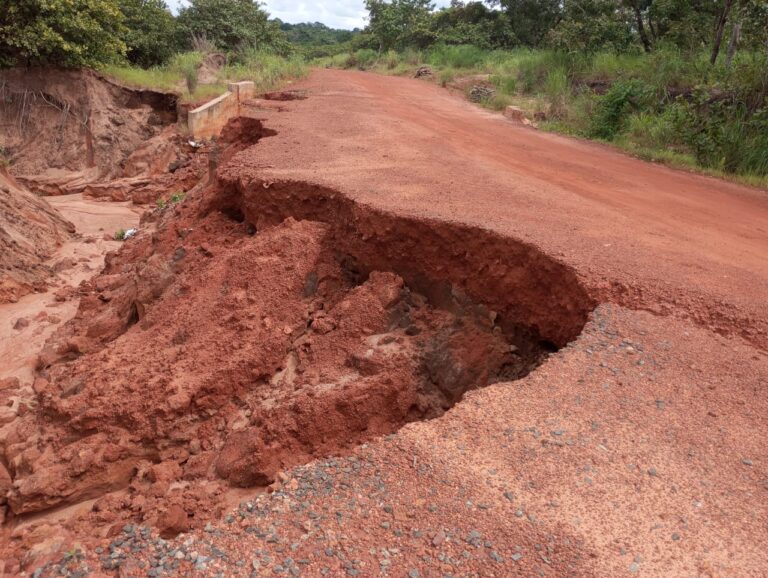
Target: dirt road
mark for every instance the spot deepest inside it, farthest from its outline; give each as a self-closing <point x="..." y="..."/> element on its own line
<point x="643" y="235"/>
<point x="637" y="449"/>
<point x="662" y="467"/>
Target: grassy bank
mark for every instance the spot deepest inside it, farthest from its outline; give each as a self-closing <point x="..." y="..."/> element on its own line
<point x="181" y="74"/>
<point x="669" y="106"/>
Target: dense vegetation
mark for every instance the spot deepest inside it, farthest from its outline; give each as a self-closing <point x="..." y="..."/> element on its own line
<point x="684" y="81"/>
<point x="314" y="39"/>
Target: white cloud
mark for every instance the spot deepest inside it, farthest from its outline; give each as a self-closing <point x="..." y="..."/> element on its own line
<point x="346" y="14"/>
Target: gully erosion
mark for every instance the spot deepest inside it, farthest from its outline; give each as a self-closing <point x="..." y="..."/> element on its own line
<point x="369" y="329"/>
<point x="252" y="327"/>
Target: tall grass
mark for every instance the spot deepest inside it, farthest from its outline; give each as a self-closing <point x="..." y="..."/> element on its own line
<point x="266" y="70"/>
<point x="180" y="74"/>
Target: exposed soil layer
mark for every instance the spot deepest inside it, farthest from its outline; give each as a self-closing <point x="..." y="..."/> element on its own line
<point x="286" y="95"/>
<point x="30" y="232"/>
<point x="67" y="131"/>
<point x="391" y="247"/>
<point x="638" y="234"/>
<point x="261" y="327"/>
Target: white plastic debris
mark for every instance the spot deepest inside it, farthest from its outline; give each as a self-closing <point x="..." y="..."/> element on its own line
<point x="195" y="145"/>
<point x="130" y="233"/>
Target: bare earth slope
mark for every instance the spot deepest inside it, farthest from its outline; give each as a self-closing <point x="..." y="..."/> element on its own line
<point x="30" y="232"/>
<point x="387" y="249"/>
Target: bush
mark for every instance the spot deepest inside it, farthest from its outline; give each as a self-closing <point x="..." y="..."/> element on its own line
<point x="723" y="134"/>
<point x="69" y="33"/>
<point x="461" y="56"/>
<point x="365" y="58"/>
<point x="505" y="84"/>
<point x="231" y="25"/>
<point x="266" y="69"/>
<point x="150" y="32"/>
<point x="391" y="60"/>
<point x="622" y="98"/>
<point x="557" y="90"/>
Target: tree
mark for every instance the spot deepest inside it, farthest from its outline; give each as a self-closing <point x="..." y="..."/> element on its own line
<point x="531" y="20"/>
<point x="315" y="34"/>
<point x="720" y="29"/>
<point x="150" y="31"/>
<point x="473" y="23"/>
<point x="68" y="33"/>
<point x="231" y="25"/>
<point x="640" y="9"/>
<point x="400" y="23"/>
<point x="754" y="19"/>
<point x="590" y="25"/>
<point x="683" y="23"/>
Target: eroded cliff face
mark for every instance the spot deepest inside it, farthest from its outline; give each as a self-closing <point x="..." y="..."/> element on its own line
<point x="30" y="232"/>
<point x="256" y="326"/>
<point x="74" y="131"/>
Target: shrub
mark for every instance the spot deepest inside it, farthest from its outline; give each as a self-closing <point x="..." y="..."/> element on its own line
<point x="461" y="56"/>
<point x="391" y="60"/>
<point x="557" y="90"/>
<point x="365" y="58"/>
<point x="70" y="33"/>
<point x="120" y="235"/>
<point x="724" y="134"/>
<point x="622" y="98"/>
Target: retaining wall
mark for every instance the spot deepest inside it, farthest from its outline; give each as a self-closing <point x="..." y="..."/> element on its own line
<point x="207" y="120"/>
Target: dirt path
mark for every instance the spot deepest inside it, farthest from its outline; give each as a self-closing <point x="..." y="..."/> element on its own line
<point x="645" y="235"/>
<point x="76" y="261"/>
<point x="637" y="449"/>
<point x="642" y="441"/>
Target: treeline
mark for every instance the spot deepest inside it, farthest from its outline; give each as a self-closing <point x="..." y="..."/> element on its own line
<point x="74" y="33"/>
<point x="570" y="25"/>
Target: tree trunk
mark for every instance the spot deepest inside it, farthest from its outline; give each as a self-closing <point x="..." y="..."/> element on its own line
<point x="720" y="30"/>
<point x="654" y="34"/>
<point x="641" y="26"/>
<point x="734" y="44"/>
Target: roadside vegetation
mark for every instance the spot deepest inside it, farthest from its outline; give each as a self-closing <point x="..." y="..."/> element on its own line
<point x="678" y="81"/>
<point x="141" y="43"/>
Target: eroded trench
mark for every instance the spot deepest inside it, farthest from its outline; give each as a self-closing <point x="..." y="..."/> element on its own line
<point x="410" y="313"/>
<point x="265" y="324"/>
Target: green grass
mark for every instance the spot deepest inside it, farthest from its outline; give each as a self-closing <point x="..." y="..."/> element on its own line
<point x="267" y="71"/>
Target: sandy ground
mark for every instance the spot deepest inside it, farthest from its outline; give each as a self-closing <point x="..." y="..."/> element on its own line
<point x="637" y="450"/>
<point x="76" y="261"/>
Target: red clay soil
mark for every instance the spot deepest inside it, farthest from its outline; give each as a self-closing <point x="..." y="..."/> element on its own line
<point x="75" y="131"/>
<point x="584" y="333"/>
<point x="30" y="233"/>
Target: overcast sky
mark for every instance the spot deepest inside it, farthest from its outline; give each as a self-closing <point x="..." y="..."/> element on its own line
<point x="347" y="14"/>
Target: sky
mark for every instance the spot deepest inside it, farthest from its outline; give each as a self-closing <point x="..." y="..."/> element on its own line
<point x="347" y="14"/>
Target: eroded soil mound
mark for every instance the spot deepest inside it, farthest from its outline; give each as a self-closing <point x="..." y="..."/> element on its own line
<point x="30" y="232"/>
<point x="63" y="131"/>
<point x="256" y="328"/>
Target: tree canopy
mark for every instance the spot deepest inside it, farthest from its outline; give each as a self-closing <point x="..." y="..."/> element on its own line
<point x="61" y="32"/>
<point x="150" y="31"/>
<point x="230" y="24"/>
<point x="572" y="25"/>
